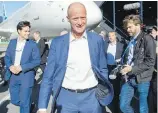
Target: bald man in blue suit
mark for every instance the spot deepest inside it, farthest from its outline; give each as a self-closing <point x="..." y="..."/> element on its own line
<point x="76" y="70"/>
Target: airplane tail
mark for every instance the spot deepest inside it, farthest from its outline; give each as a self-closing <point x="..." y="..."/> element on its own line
<point x="4" y="15"/>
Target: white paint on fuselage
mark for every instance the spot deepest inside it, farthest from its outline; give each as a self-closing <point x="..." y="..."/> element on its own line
<point x="49" y="17"/>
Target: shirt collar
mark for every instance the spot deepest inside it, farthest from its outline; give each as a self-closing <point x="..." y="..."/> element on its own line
<point x="72" y="38"/>
<point x="18" y="40"/>
<point x="113" y="43"/>
<point x="136" y="35"/>
<point x="38" y="40"/>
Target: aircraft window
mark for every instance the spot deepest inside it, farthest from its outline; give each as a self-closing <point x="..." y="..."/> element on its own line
<point x="50" y="3"/>
<point x="62" y="9"/>
<point x="26" y="15"/>
<point x="63" y="20"/>
<point x="36" y="18"/>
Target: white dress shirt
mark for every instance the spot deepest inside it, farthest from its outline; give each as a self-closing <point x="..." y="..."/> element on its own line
<point x="18" y="52"/>
<point x="111" y="52"/>
<point x="79" y="73"/>
<point x="37" y="40"/>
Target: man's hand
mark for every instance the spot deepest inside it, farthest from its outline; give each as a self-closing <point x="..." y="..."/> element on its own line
<point x="13" y="69"/>
<point x="126" y="69"/>
<point x="118" y="60"/>
<point x="18" y="68"/>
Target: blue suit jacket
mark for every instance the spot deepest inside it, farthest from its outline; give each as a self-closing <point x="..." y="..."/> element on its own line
<point x="56" y="67"/>
<point x="29" y="60"/>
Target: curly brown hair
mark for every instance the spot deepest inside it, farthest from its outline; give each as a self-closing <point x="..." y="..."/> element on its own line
<point x="135" y="19"/>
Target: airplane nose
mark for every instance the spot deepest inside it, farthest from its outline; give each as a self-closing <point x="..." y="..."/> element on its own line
<point x="94" y="15"/>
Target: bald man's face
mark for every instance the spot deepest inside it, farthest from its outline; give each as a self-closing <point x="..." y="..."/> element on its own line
<point x="77" y="18"/>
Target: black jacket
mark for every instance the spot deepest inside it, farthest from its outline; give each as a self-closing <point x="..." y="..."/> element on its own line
<point x="144" y="58"/>
<point x="119" y="49"/>
<point x="43" y="51"/>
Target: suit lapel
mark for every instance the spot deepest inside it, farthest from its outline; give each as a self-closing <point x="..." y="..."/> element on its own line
<point x="106" y="47"/>
<point x="14" y="49"/>
<point x="90" y="45"/>
<point x="66" y="42"/>
<point x="117" y="50"/>
<point x="39" y="42"/>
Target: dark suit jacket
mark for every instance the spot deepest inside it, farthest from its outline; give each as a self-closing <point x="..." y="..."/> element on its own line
<point x="42" y="49"/>
<point x="55" y="70"/>
<point x="119" y="49"/>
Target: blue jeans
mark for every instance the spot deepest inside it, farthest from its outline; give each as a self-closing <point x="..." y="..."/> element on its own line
<point x="127" y="93"/>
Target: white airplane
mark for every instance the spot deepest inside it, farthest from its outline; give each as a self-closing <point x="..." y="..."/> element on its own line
<point x="48" y="17"/>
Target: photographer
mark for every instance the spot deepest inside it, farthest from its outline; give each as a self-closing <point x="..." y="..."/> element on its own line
<point x="138" y="60"/>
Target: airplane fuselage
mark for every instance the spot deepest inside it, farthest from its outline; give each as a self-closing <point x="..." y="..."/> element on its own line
<point x="49" y="17"/>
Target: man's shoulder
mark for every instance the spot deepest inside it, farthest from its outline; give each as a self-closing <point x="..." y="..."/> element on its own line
<point x="59" y="38"/>
<point x="13" y="40"/>
<point x="120" y="43"/>
<point x="31" y="42"/>
<point x="41" y="40"/>
<point x="95" y="35"/>
<point x="147" y="37"/>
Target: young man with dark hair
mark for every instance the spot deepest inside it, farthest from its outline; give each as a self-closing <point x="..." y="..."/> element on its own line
<point x="138" y="60"/>
<point x="22" y="56"/>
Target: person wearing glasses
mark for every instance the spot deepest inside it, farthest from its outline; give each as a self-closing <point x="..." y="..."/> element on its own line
<point x="22" y="56"/>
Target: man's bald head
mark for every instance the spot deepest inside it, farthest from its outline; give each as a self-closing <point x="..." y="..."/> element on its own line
<point x="77" y="18"/>
<point x="75" y="5"/>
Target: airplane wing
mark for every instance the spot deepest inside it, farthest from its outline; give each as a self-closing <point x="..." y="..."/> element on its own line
<point x="6" y="32"/>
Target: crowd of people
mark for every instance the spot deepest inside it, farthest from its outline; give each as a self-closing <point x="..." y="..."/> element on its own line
<point x="78" y="66"/>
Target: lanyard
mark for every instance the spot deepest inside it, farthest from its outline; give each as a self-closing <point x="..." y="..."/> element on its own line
<point x="132" y="42"/>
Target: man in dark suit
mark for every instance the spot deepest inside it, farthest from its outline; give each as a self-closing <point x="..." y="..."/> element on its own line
<point x="76" y="71"/>
<point x="22" y="56"/>
<point x="114" y="50"/>
<point x="42" y="48"/>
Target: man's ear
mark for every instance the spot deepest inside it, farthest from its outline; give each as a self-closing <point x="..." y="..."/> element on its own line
<point x="18" y="31"/>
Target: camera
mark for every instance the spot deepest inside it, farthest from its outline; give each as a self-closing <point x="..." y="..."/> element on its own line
<point x="116" y="71"/>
